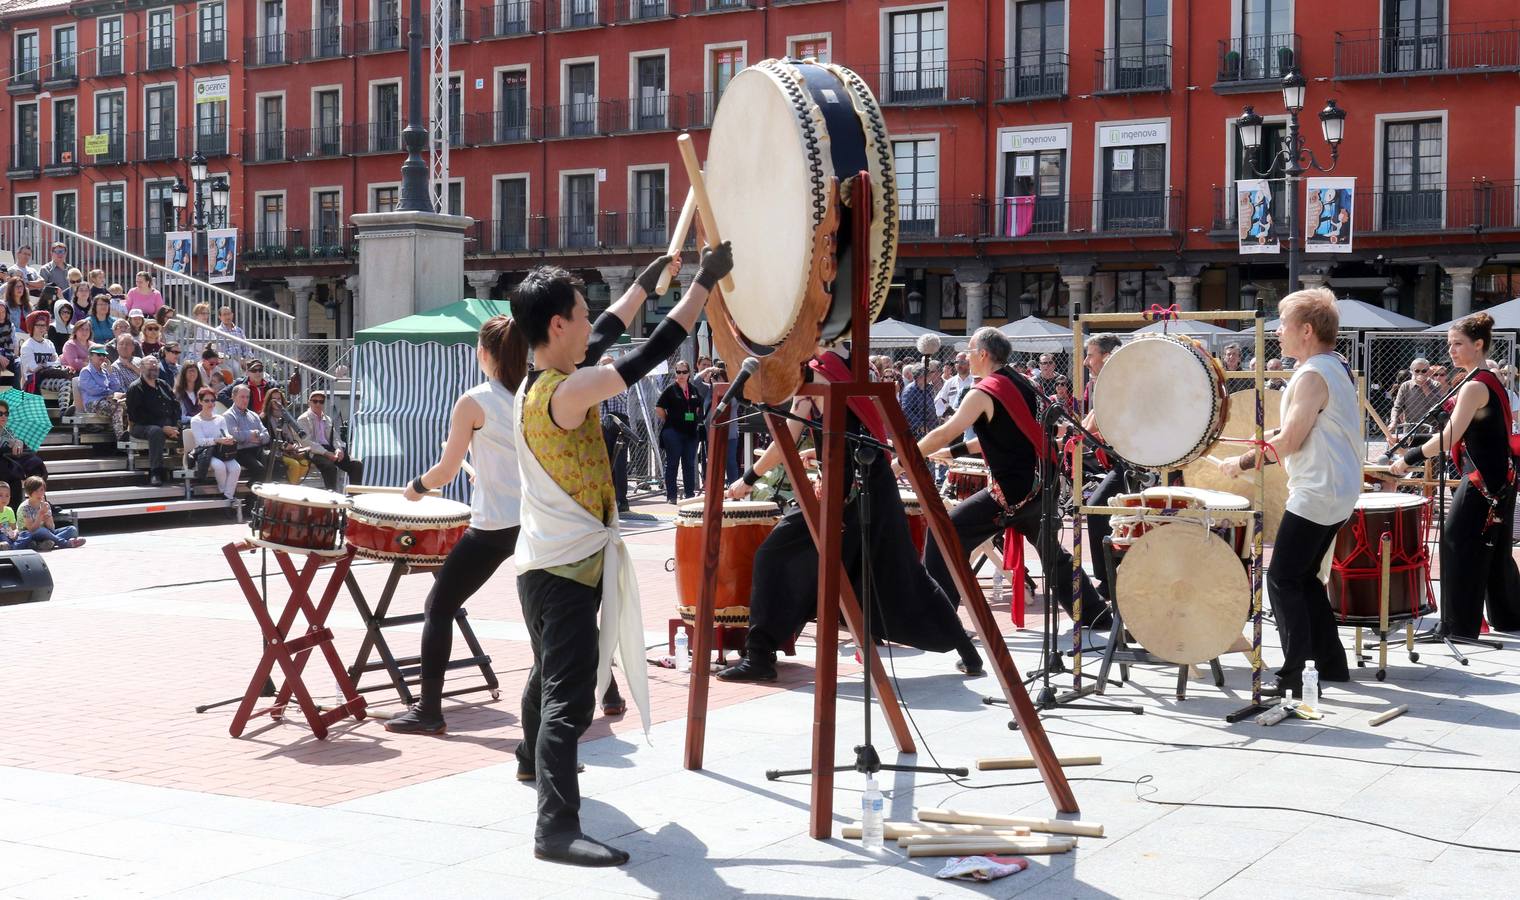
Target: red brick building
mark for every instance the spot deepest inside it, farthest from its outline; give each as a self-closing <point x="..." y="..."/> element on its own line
<point x="1116" y="116"/>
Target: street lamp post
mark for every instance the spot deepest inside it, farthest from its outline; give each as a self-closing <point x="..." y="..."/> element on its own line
<point x="1294" y="154"/>
<point x="221" y="194"/>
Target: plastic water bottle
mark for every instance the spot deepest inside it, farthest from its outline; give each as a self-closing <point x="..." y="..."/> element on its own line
<point x="871" y="809"/>
<point x="1311" y="685"/>
<point x="683" y="657"/>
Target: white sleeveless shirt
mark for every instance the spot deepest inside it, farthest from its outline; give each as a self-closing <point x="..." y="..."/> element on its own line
<point x="496" y="496"/>
<point x="1325" y="473"/>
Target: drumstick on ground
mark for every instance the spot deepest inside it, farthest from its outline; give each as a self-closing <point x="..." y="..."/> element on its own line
<point x="1394" y="713"/>
<point x="704" y="204"/>
<point x="678" y="239"/>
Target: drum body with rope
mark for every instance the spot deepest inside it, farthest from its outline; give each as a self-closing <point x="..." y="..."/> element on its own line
<point x="745" y="526"/>
<point x="1354" y="574"/>
<point x="390" y="527"/>
<point x="967" y="475"/>
<point x="1160" y="401"/>
<point x="298" y="519"/>
<point x="808" y="128"/>
<point x="1128" y="528"/>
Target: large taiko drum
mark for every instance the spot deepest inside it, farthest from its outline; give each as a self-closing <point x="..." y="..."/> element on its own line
<point x="1160" y="401"/>
<point x="1356" y="568"/>
<point x="1153" y="504"/>
<point x="745" y="525"/>
<point x="967" y="475"/>
<point x="1183" y="594"/>
<point x="786" y="129"/>
<point x="298" y="519"/>
<point x="391" y="527"/>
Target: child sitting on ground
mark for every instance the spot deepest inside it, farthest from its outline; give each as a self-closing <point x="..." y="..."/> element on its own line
<point x="37" y="529"/>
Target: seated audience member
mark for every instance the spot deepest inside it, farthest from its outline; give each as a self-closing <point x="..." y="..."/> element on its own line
<point x="78" y="294"/>
<point x="75" y="353"/>
<point x="30" y="277"/>
<point x="209" y="432"/>
<point x="118" y="301"/>
<point x="95" y="286"/>
<point x="18" y="303"/>
<point x="288" y="441"/>
<point x="252" y="437"/>
<point x="136" y="320"/>
<point x="154" y="416"/>
<point x="323" y="445"/>
<point x="126" y="361"/>
<point x="151" y="340"/>
<point x="257" y="385"/>
<point x="188" y="382"/>
<point x="9" y="532"/>
<point x="169" y="361"/>
<point x="120" y="329"/>
<point x="102" y="323"/>
<point x="17" y="461"/>
<point x="102" y="393"/>
<point x="36" y="514"/>
<point x="62" y="324"/>
<point x="216" y="375"/>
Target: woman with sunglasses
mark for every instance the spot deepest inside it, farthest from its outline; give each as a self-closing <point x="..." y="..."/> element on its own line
<point x="152" y="340"/>
<point x="209" y="431"/>
<point x="680" y="410"/>
<point x="63" y="324"/>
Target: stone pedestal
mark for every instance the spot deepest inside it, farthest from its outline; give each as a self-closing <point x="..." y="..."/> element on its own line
<point x="482" y="281"/>
<point x="409" y="262"/>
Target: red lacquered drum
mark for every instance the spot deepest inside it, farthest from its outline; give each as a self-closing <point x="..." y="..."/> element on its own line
<point x="918" y="526"/>
<point x="967" y="475"/>
<point x="298" y="519"/>
<point x="745" y="525"/>
<point x="391" y="527"/>
<point x="1354" y="574"/>
<point x="1128" y="529"/>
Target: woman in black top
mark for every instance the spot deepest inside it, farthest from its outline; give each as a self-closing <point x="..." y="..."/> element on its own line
<point x="1476" y="562"/>
<point x="680" y="411"/>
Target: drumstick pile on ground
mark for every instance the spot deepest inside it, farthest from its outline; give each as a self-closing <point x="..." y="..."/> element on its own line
<point x="945" y="832"/>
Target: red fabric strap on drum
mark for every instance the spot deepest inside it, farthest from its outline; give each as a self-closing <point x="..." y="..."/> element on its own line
<point x="1002" y="389"/>
<point x="835" y="369"/>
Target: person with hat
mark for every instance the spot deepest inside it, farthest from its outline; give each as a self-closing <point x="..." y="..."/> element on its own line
<point x="56" y="270"/>
<point x="38" y="360"/>
<point x="17" y="461"/>
<point x="325" y="449"/>
<point x="135" y="321"/>
<point x="253" y="378"/>
<point x="101" y="392"/>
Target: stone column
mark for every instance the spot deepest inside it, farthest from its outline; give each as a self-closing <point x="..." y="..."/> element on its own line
<point x="1313" y="279"/>
<point x="1078" y="291"/>
<point x="1185" y="289"/>
<point x="346" y="309"/>
<point x="973" y="280"/>
<point x="301" y="288"/>
<point x="482" y="281"/>
<point x="1461" y="289"/>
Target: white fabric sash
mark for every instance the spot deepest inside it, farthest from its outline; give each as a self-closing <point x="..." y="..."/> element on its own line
<point x="557" y="531"/>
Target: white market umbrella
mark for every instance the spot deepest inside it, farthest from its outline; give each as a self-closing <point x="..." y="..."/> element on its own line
<point x="1033" y="334"/>
<point x="896" y="333"/>
<point x="1359" y="315"/>
<point x="1506" y="317"/>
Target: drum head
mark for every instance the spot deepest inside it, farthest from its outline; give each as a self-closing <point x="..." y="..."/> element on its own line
<point x="1242" y="426"/>
<point x="396" y="506"/>
<point x="690" y="512"/>
<point x="1199" y="498"/>
<point x="300" y="495"/>
<point x="1183" y="593"/>
<point x="1388" y="500"/>
<point x="1157" y="402"/>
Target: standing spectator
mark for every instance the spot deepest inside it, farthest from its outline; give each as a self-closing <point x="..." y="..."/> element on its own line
<point x="18" y="304"/>
<point x="917" y="404"/>
<point x="1060" y="391"/>
<point x="1507" y="376"/>
<point x="938" y="375"/>
<point x="188" y="384"/>
<point x="75" y="354"/>
<point x="102" y="323"/>
<point x="37" y="528"/>
<point x="17" y="461"/>
<point x="1232" y="357"/>
<point x="101" y="392"/>
<point x="1045" y="378"/>
<point x="948" y="400"/>
<point x="245" y="425"/>
<point x="1275" y="384"/>
<point x="233" y="351"/>
<point x="680" y="412"/>
<point x="1438" y="378"/>
<point x="154" y="415"/>
<point x="28" y="273"/>
<point x="1416" y="396"/>
<point x="62" y="325"/>
<point x="323" y="445"/>
<point x="144" y="295"/>
<point x="56" y="270"/>
<point x="616" y="430"/>
<point x="208" y="430"/>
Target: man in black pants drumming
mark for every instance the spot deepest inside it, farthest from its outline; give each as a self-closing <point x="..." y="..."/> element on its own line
<point x="1003" y="410"/>
<point x="1097" y="350"/>
<point x="1319" y="445"/>
<point x="570" y="556"/>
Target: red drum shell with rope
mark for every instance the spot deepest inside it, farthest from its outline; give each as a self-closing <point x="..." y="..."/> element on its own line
<point x="390" y="527"/>
<point x="1355" y="571"/>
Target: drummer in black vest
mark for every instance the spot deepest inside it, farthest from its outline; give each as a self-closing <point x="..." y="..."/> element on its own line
<point x="910" y="607"/>
<point x="1003" y="410"/>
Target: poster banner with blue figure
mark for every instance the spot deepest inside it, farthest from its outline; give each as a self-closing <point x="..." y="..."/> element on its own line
<point x="1255" y="218"/>
<point x="221" y="251"/>
<point x="1329" y="215"/>
<point x="177" y="252"/>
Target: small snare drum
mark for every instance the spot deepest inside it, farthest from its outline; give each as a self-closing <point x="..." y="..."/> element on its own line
<point x="298" y="519"/>
<point x="967" y="475"/>
<point x="1128" y="529"/>
<point x="745" y="526"/>
<point x="390" y="527"/>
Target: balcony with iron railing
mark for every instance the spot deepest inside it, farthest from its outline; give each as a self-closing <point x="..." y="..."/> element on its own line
<point x="1142" y="214"/>
<point x="154" y="145"/>
<point x="1476" y="206"/>
<point x="61" y="157"/>
<point x="324" y="42"/>
<point x="717" y="6"/>
<point x="63" y="72"/>
<point x="375" y="137"/>
<point x="1133" y="69"/>
<point x="587" y="118"/>
<point x="266" y="50"/>
<point x="656" y="112"/>
<point x="26" y="75"/>
<point x="265" y="147"/>
<point x="108" y="61"/>
<point x="603" y="230"/>
<point x="1037" y="76"/>
<point x="510" y="18"/>
<point x="566" y="15"/>
<point x="25" y="160"/>
<point x="507" y="126"/>
<point x="947" y="84"/>
<point x="322" y="142"/>
<point x="1255" y="62"/>
<point x="1226" y="212"/>
<point x="1467" y="48"/>
<point x="156" y="53"/>
<point x="334" y="244"/>
<point x="459" y="27"/>
<point x="378" y="36"/>
<point x="211" y="142"/>
<point x="210" y="47"/>
<point x="626" y="11"/>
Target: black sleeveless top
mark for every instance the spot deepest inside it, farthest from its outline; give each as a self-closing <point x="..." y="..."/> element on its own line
<point x="1486" y="443"/>
<point x="1009" y="455"/>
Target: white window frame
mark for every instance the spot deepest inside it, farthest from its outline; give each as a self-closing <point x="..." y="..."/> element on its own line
<point x="634" y="57"/>
<point x="16" y="207"/>
<point x="1380" y="123"/>
<point x="372" y="116"/>
<point x="258" y="112"/>
<point x="707" y="62"/>
<point x="1095" y="214"/>
<point x="258" y="210"/>
<point x="463" y="197"/>
<point x="792" y="40"/>
<point x="16" y="48"/>
<point x="564" y="195"/>
<point x="173" y="32"/>
<point x="74" y="192"/>
<point x="1232" y="143"/>
<point x="1171" y="26"/>
<point x="35" y="104"/>
<point x="126" y="203"/>
<point x="53" y="129"/>
<point x="372" y="187"/>
<point x="939" y="170"/>
<point x="884" y="34"/>
<point x="53" y="43"/>
<point x="312" y="208"/>
<point x="564" y="91"/>
<point x="170" y="224"/>
<point x="316" y="14"/>
<point x="226" y="21"/>
<point x="1002" y="188"/>
<point x="174" y="87"/>
<point x="121" y="27"/>
<point x="633" y="195"/>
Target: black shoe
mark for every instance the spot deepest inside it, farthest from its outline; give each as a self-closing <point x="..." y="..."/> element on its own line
<point x="415" y="721"/>
<point x="624" y="508"/>
<point x="526" y="773"/>
<point x="155" y="479"/>
<point x="615" y="707"/>
<point x="578" y="850"/>
<point x="978" y="672"/>
<point x="751" y="668"/>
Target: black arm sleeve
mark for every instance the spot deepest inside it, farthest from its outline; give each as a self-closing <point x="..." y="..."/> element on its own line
<point x="604" y="334"/>
<point x="665" y="340"/>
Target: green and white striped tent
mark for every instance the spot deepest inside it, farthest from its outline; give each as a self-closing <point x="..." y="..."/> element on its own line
<point x="407" y="374"/>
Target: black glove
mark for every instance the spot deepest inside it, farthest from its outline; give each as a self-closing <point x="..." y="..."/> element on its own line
<point x="716" y="263"/>
<point x="649" y="279"/>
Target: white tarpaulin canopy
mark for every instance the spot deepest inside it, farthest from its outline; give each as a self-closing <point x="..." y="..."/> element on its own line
<point x="896" y="333"/>
<point x="1506" y="316"/>
<point x="1208" y="333"/>
<point x="1033" y="334"/>
<point x="1358" y="315"/>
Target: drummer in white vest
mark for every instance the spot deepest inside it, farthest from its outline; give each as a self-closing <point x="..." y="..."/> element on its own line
<point x="1320" y="446"/>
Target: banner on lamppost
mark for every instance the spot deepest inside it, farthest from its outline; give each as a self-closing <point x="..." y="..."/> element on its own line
<point x="1255" y="218"/>
<point x="177" y="252"/>
<point x="221" y="251"/>
<point x="1328" y="215"/>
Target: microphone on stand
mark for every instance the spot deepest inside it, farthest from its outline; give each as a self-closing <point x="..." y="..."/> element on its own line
<point x="749" y="367"/>
<point x="928" y="345"/>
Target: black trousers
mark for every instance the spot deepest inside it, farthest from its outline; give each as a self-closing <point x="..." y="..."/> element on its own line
<point x="1300" y="603"/>
<point x="978" y="518"/>
<point x="255" y="461"/>
<point x="680" y="450"/>
<point x="352" y="467"/>
<point x="1098" y="528"/>
<point x="154" y="435"/>
<point x="617" y="451"/>
<point x="1477" y="566"/>
<point x="468" y="566"/>
<point x="560" y="697"/>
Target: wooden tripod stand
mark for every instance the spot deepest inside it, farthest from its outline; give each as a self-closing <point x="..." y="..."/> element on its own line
<point x="824" y="519"/>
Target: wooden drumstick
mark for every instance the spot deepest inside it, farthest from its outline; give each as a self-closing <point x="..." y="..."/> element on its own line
<point x="1390" y="714"/>
<point x="1049" y="826"/>
<point x="678" y="239"/>
<point x="704" y="204"/>
<point x="996" y="763"/>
